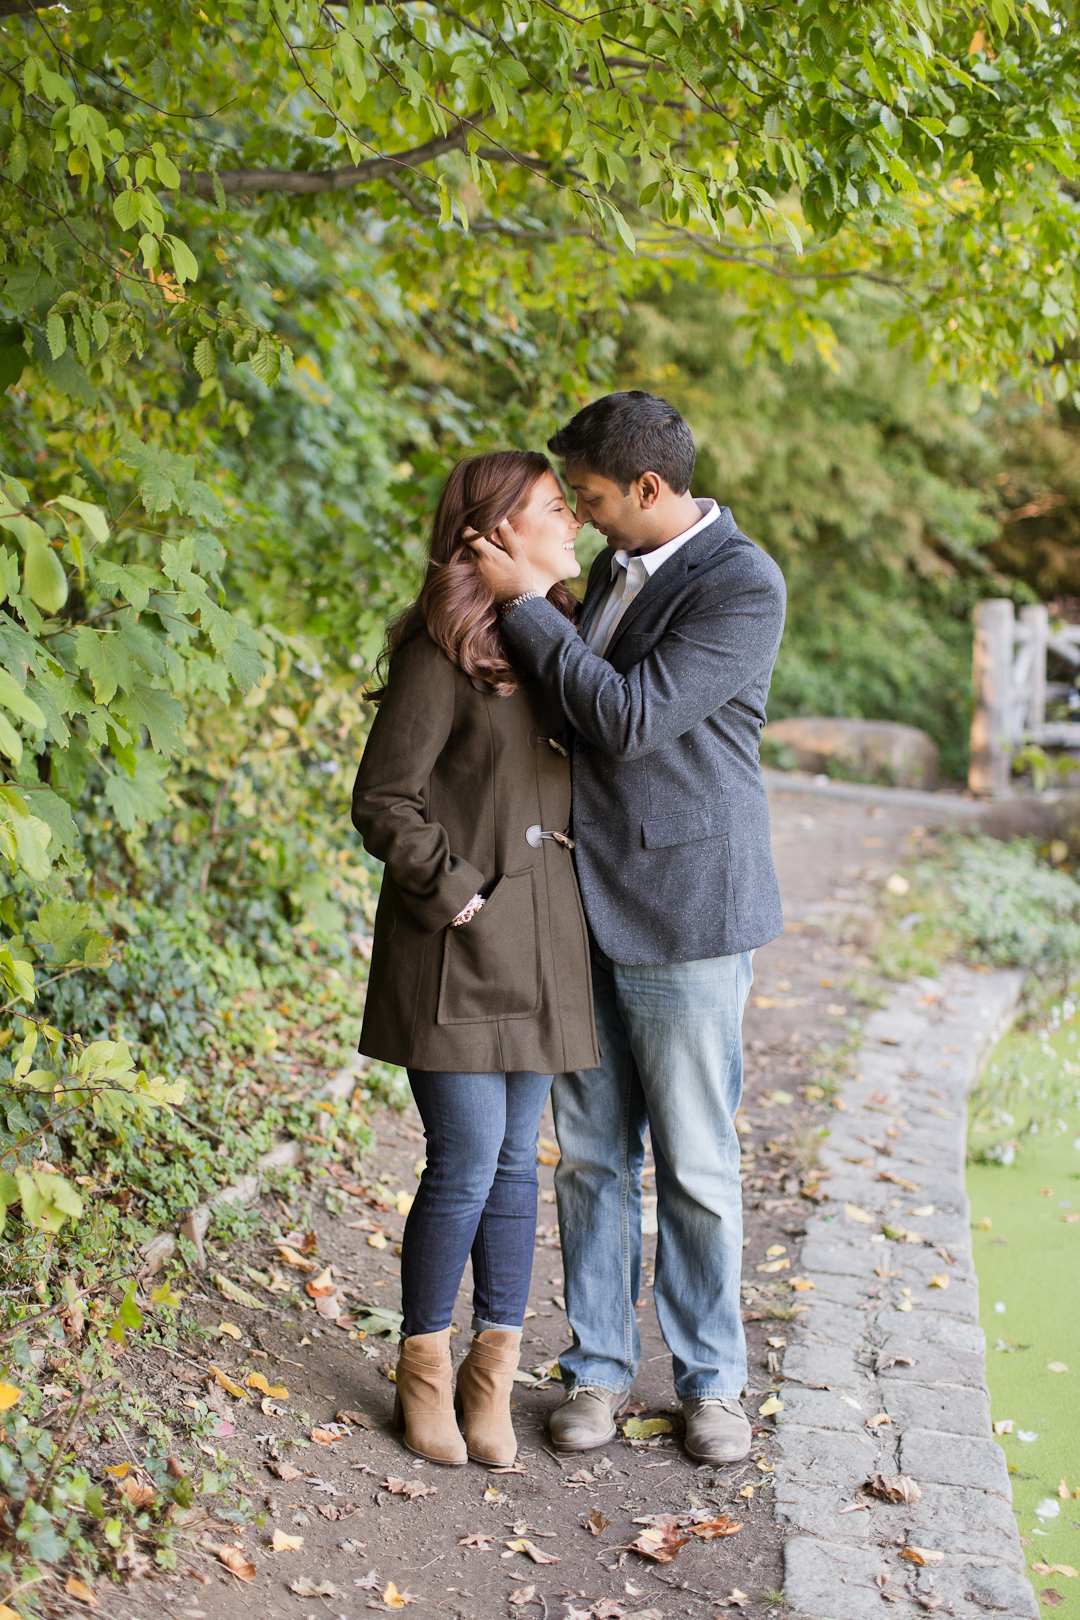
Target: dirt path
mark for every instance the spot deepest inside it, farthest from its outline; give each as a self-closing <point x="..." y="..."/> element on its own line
<point x="358" y="1536"/>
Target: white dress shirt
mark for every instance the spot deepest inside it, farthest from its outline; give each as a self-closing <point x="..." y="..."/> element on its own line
<point x="629" y="574"/>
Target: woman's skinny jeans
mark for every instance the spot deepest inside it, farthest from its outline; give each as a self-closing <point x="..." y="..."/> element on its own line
<point x="477" y="1195"/>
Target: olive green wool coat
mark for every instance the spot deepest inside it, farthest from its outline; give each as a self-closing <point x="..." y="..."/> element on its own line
<point x="452" y="780"/>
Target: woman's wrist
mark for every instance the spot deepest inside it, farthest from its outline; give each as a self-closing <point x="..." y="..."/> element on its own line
<point x="467" y="913"/>
<point x="506" y="608"/>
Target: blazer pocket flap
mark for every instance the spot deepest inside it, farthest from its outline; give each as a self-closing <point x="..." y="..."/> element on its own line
<point x="690" y="827"/>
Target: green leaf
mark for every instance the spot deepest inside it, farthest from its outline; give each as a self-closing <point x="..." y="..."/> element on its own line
<point x="14" y="698"/>
<point x="167" y="172"/>
<point x="59" y="924"/>
<point x="204" y="358"/>
<point x="161" y="714"/>
<point x="184" y="261"/>
<point x="94" y="518"/>
<point x="127" y="209"/>
<point x="27" y="838"/>
<point x="140" y="798"/>
<point x="56" y="334"/>
<point x="44" y="579"/>
<point x="134" y="582"/>
<point x="106" y="660"/>
<point x="958" y="125"/>
<point x="10" y="741"/>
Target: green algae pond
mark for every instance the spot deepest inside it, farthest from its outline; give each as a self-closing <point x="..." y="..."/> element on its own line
<point x="1023" y="1181"/>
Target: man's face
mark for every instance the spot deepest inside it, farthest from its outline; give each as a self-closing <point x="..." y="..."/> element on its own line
<point x="620" y="518"/>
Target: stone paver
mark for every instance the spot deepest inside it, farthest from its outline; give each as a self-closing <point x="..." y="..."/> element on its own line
<point x="890" y="1329"/>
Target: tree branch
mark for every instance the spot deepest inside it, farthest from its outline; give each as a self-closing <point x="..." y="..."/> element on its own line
<point x="23" y="8"/>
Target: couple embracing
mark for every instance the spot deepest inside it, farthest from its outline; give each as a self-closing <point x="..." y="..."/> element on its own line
<point x="575" y="832"/>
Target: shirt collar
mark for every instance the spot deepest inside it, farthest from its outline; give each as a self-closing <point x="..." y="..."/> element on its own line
<point x="650" y="561"/>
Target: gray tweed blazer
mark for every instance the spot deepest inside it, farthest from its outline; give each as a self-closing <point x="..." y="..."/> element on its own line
<point x="670" y="816"/>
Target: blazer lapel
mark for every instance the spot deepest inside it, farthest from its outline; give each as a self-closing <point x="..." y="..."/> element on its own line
<point x="671" y="573"/>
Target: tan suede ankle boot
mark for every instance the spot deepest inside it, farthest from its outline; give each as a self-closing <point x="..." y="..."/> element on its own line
<point x="425" y="1407"/>
<point x="484" y="1382"/>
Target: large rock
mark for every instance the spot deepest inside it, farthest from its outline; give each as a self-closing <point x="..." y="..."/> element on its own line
<point x="879" y="751"/>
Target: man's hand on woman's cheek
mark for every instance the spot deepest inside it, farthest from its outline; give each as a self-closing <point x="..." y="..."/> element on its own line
<point x="503" y="562"/>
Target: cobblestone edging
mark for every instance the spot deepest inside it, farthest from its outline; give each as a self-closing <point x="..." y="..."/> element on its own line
<point x="879" y="1337"/>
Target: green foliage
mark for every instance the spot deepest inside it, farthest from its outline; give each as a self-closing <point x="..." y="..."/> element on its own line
<point x="997" y="903"/>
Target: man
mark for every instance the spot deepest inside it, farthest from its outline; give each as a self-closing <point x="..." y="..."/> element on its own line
<point x="665" y="686"/>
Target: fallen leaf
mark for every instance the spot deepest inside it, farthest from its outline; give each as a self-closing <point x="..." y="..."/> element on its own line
<point x="537" y="1554"/>
<point x="596" y="1522"/>
<point x="645" y="1428"/>
<point x="898" y="1181"/>
<point x="305" y="1588"/>
<point x="747" y="1492"/>
<point x="257" y="1381"/>
<point x="291" y="1258"/>
<point x="117" y="1470"/>
<point x="139" y="1496"/>
<point x="79" y="1589"/>
<point x="484" y="1543"/>
<point x="660" y="1544"/>
<point x="523" y="1595"/>
<point x="736" y="1599"/>
<point x="774" y="1265"/>
<point x="284" y="1471"/>
<point x="321" y="1286"/>
<point x="228" y="1384"/>
<point x="1051" y="1598"/>
<point x="941" y="1281"/>
<point x="395" y="1599"/>
<point x="608" y="1609"/>
<point x="231" y="1329"/>
<point x="713" y="1529"/>
<point x="410" y="1488"/>
<point x="877" y="1420"/>
<point x="378" y="1241"/>
<point x="770" y="1406"/>
<point x="774" y="1249"/>
<point x="858" y="1214"/>
<point x="1057" y="1366"/>
<point x="1064" y="1491"/>
<point x="239" y="1296"/>
<point x="802" y="1284"/>
<point x="237" y="1562"/>
<point x="8" y="1396"/>
<point x="1005" y="1426"/>
<point x="922" y="1555"/>
<point x="280" y="1542"/>
<point x="358" y="1420"/>
<point x="326" y="1437"/>
<point x="547" y="1152"/>
<point x="893" y="1488"/>
<point x="1073" y="1215"/>
<point x="929" y="1600"/>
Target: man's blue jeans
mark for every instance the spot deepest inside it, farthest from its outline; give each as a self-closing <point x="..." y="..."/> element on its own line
<point x="477" y="1195"/>
<point x="671" y="1038"/>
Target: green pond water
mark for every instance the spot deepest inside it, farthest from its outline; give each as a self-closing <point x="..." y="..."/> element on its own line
<point x="1023" y="1187"/>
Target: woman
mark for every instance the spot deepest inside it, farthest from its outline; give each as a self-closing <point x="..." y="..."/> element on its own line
<point x="479" y="982"/>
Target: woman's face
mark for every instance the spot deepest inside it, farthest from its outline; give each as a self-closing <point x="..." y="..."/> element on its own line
<point x="547" y="528"/>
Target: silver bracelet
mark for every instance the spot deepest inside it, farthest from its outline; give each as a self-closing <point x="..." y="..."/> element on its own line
<point x="516" y="601"/>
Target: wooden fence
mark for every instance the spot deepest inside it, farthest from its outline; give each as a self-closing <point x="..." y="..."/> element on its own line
<point x="1011" y="690"/>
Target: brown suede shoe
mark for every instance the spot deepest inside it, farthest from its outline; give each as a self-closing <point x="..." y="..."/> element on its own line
<point x="585" y="1418"/>
<point x="425" y="1405"/>
<point x="717" y="1431"/>
<point x="485" y="1381"/>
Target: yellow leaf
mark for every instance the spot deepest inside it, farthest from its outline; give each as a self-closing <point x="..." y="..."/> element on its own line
<point x="228" y="1384"/>
<point x="922" y="1555"/>
<point x="801" y="1284"/>
<point x="280" y="1542"/>
<point x="775" y="1249"/>
<point x="748" y="1492"/>
<point x="775" y="1265"/>
<point x="8" y="1614"/>
<point x="858" y="1214"/>
<point x="8" y="1396"/>
<point x="117" y="1470"/>
<point x="1057" y="1366"/>
<point x="378" y="1241"/>
<point x="79" y="1589"/>
<point x="291" y="1258"/>
<point x="404" y="1203"/>
<point x="392" y="1597"/>
<point x="257" y="1381"/>
<point x="768" y="1407"/>
<point x="1063" y="1569"/>
<point x="231" y="1329"/>
<point x="877" y="1420"/>
<point x="941" y="1281"/>
<point x="636" y="1428"/>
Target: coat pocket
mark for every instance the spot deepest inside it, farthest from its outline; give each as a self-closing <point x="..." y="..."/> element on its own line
<point x="491" y="966"/>
<point x="691" y="827"/>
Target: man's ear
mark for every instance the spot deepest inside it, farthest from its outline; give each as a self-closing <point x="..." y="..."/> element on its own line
<point x="648" y="487"/>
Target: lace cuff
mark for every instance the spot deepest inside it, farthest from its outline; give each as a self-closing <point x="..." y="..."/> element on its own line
<point x="468" y="912"/>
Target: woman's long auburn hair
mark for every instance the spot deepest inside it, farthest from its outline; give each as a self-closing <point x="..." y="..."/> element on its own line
<point x="455" y="605"/>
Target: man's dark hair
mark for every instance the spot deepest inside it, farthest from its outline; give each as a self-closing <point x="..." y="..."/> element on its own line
<point x="624" y="435"/>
